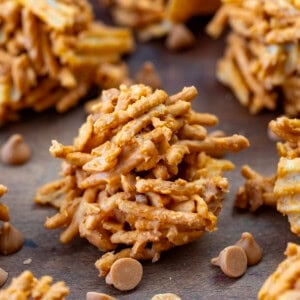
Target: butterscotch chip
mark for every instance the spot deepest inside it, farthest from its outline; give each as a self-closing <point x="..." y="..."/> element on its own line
<point x="251" y="248"/>
<point x="179" y="38"/>
<point x="3" y="276"/>
<point x="11" y="239"/>
<point x="232" y="260"/>
<point x="98" y="296"/>
<point x="166" y="296"/>
<point x="125" y="274"/>
<point x="148" y="76"/>
<point x="15" y="151"/>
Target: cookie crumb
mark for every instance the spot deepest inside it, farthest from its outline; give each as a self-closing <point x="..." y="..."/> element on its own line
<point x="27" y="261"/>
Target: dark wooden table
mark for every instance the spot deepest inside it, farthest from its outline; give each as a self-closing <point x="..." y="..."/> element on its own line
<point x="185" y="270"/>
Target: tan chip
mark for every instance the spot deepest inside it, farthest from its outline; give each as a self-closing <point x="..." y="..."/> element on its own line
<point x="252" y="249"/>
<point x="179" y="38"/>
<point x="15" y="151"/>
<point x="232" y="260"/>
<point x="260" y="61"/>
<point x="148" y="76"/>
<point x="125" y="274"/>
<point x="282" y="284"/>
<point x="142" y="173"/>
<point x="26" y="286"/>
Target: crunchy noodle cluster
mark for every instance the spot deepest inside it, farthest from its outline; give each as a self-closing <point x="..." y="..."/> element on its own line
<point x="284" y="283"/>
<point x="141" y="173"/>
<point x="261" y="59"/>
<point x="282" y="189"/>
<point x="52" y="52"/>
<point x="26" y="286"/>
<point x="4" y="210"/>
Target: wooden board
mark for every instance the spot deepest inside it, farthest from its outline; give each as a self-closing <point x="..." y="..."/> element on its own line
<point x="186" y="270"/>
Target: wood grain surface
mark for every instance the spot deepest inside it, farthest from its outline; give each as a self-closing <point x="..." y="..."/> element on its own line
<point x="186" y="270"/>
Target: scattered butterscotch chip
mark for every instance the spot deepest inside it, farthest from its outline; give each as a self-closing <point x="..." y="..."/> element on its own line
<point x="166" y="296"/>
<point x="125" y="274"/>
<point x="232" y="260"/>
<point x="180" y="37"/>
<point x="27" y="287"/>
<point x="11" y="239"/>
<point x="251" y="248"/>
<point x="3" y="276"/>
<point x="98" y="296"/>
<point x="283" y="283"/>
<point x="148" y="76"/>
<point x="15" y="151"/>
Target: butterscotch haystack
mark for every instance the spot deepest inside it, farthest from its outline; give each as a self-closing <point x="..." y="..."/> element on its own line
<point x="284" y="283"/>
<point x="4" y="210"/>
<point x="141" y="173"/>
<point x="282" y="189"/>
<point x="26" y="286"/>
<point x="261" y="58"/>
<point x="154" y="18"/>
<point x="52" y="52"/>
<point x="287" y="185"/>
